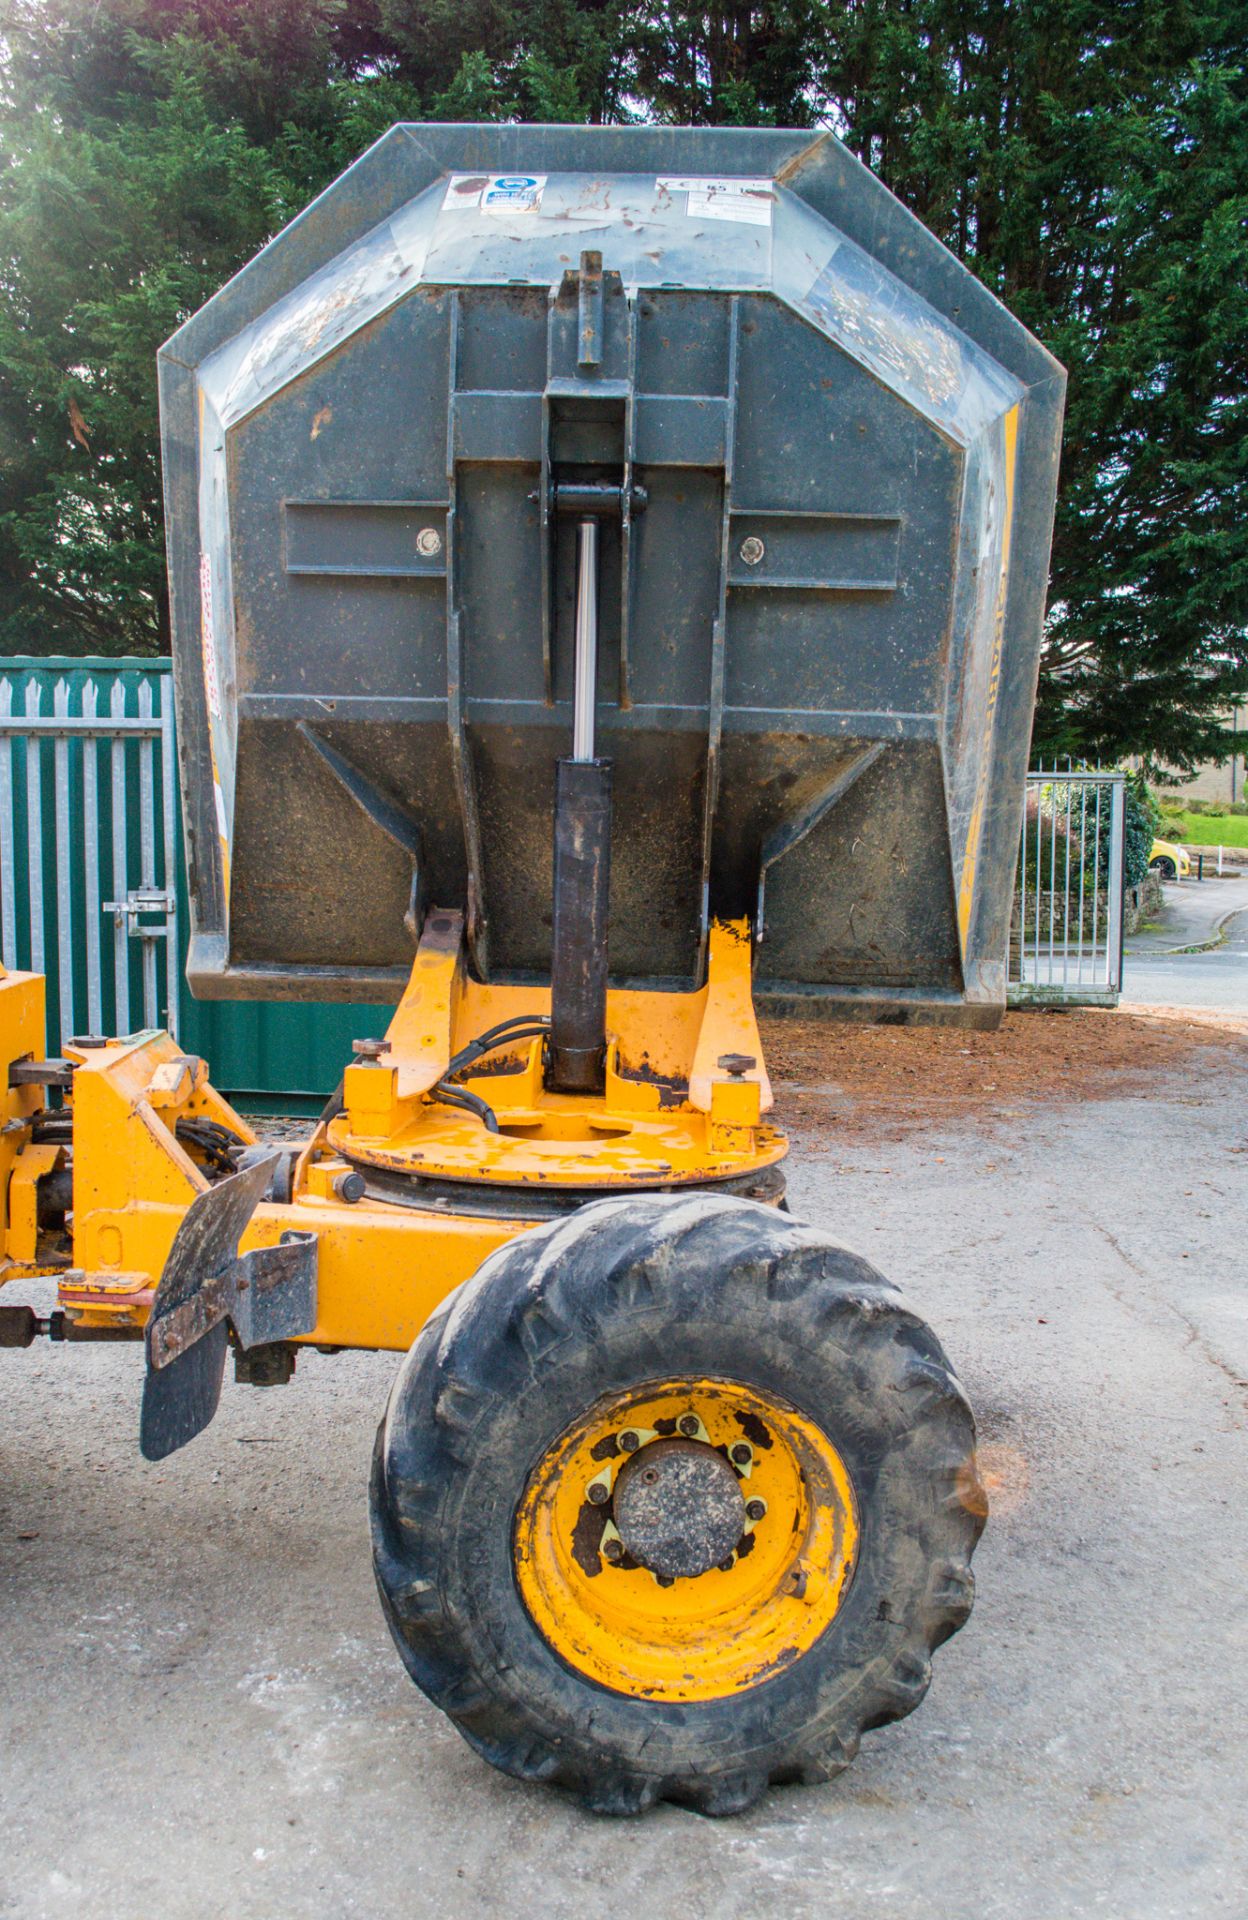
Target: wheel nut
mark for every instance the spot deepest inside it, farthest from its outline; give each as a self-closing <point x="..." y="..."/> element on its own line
<point x="613" y="1550"/>
<point x="741" y="1454"/>
<point x="726" y="1566"/>
<point x="598" y="1493"/>
<point x="629" y="1441"/>
<point x="755" y="1509"/>
<point x="665" y="1579"/>
<point x="688" y="1424"/>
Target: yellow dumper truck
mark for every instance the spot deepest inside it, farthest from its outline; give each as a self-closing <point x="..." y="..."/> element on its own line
<point x="607" y="567"/>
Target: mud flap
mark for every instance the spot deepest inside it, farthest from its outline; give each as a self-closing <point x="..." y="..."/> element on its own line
<point x="207" y="1286"/>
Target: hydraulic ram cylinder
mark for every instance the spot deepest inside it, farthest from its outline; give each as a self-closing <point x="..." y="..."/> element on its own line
<point x="578" y="1001"/>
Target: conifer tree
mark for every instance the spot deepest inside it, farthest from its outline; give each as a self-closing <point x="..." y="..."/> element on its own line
<point x="1088" y="160"/>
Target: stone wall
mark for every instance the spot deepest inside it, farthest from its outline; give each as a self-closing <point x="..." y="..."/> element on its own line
<point x="1141" y="903"/>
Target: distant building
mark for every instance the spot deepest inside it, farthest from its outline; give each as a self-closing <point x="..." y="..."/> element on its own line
<point x="1213" y="780"/>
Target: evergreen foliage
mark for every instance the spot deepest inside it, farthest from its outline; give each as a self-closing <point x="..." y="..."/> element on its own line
<point x="1087" y="158"/>
<point x="1141" y="824"/>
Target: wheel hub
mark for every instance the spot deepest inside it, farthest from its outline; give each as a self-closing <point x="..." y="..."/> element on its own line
<point x="705" y="1579"/>
<point x="678" y="1508"/>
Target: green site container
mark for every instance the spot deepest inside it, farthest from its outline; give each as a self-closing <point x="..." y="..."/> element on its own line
<point x="93" y="886"/>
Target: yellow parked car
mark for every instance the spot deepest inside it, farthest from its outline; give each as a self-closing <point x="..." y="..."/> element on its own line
<point x="1170" y="860"/>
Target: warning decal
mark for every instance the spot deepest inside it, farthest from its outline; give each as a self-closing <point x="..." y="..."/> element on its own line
<point x="208" y="641"/>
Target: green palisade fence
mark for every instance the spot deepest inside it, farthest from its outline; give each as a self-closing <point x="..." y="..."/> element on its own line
<point x="93" y="882"/>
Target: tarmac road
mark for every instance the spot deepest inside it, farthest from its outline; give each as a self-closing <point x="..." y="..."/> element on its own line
<point x="1156" y="972"/>
<point x="1218" y="978"/>
<point x="201" y="1714"/>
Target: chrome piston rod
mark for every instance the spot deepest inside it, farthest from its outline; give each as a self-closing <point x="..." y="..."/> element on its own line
<point x="578" y="998"/>
<point x="586" y="682"/>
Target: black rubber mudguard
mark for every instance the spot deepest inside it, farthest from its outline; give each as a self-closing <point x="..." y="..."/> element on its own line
<point x="267" y="1295"/>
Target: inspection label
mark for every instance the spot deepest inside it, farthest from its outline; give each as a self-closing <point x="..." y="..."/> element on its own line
<point x="722" y="198"/>
<point x="498" y="194"/>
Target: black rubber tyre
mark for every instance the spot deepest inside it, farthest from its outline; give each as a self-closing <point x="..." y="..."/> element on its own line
<point x="1165" y="867"/>
<point x="623" y="1292"/>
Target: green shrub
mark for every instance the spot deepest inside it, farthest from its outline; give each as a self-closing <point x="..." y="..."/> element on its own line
<point x="1142" y="823"/>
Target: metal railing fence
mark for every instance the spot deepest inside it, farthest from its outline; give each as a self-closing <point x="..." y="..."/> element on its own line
<point x="1066" y="928"/>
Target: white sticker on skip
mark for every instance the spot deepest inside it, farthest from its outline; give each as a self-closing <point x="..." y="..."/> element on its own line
<point x="497" y="194"/>
<point x="724" y="198"/>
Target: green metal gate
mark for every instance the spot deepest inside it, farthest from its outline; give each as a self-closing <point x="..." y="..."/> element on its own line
<point x="93" y="882"/>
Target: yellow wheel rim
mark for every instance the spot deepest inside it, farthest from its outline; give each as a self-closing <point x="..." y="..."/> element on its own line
<point x="718" y="1631"/>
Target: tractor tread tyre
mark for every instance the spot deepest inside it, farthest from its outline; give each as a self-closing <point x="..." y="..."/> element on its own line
<point x="650" y="1288"/>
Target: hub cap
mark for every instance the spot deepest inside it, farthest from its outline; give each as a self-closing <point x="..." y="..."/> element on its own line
<point x="678" y="1508"/>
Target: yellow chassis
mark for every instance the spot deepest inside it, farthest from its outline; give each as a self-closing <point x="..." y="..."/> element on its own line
<point x="670" y="1115"/>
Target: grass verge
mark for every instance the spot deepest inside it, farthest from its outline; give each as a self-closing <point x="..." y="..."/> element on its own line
<point x="1206" y="829"/>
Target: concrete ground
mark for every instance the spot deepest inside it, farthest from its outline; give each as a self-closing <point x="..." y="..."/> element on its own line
<point x="201" y="1714"/>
